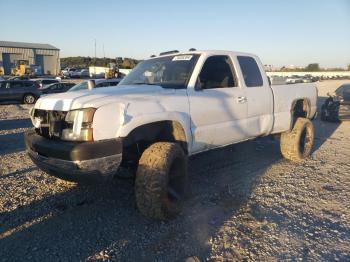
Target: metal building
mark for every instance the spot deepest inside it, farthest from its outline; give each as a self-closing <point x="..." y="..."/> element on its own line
<point x="43" y="56"/>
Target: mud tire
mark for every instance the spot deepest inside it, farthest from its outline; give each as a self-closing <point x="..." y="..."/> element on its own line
<point x="161" y="180"/>
<point x="296" y="145"/>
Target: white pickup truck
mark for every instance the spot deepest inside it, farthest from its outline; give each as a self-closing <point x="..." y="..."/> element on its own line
<point x="168" y="108"/>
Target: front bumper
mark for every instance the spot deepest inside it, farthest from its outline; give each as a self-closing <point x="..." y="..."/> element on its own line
<point x="90" y="162"/>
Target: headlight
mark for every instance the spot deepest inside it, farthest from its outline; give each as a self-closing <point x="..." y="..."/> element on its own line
<point x="79" y="125"/>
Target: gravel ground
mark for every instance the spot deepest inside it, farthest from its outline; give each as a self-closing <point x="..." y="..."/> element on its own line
<point x="246" y="203"/>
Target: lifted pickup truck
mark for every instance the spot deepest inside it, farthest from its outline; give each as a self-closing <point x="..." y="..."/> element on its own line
<point x="168" y="108"/>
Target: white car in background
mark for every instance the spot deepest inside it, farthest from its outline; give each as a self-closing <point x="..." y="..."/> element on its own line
<point x="82" y="73"/>
<point x="295" y="79"/>
<point x="68" y="72"/>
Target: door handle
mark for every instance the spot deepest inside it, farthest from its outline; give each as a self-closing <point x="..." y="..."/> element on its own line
<point x="242" y="99"/>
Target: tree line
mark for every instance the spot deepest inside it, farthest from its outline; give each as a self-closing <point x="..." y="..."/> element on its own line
<point x="85" y="62"/>
<point x="314" y="67"/>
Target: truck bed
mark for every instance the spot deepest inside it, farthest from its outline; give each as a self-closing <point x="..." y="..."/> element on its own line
<point x="284" y="96"/>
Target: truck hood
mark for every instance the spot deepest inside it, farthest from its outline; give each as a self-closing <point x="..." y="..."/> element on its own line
<point x="100" y="96"/>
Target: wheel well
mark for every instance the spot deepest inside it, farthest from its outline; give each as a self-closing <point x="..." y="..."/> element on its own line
<point x="300" y="108"/>
<point x="143" y="136"/>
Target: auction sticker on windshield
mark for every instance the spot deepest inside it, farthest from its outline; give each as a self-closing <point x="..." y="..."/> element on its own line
<point x="182" y="58"/>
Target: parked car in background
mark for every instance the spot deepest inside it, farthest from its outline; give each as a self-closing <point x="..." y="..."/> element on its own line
<point x="337" y="106"/>
<point x="96" y="83"/>
<point x="43" y="82"/>
<point x="82" y="73"/>
<point x="310" y="79"/>
<point x="68" y="72"/>
<point x="277" y="80"/>
<point x="26" y="92"/>
<point x="307" y="79"/>
<point x="295" y="79"/>
<point x="57" y="88"/>
<point x="19" y="78"/>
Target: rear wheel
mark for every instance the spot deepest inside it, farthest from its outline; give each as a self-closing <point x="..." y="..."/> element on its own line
<point x="296" y="144"/>
<point x="161" y="180"/>
<point x="28" y="99"/>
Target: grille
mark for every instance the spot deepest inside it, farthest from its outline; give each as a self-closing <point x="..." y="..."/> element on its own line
<point x="51" y="123"/>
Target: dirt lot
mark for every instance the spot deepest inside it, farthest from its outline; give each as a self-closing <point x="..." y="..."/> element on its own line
<point x="246" y="203"/>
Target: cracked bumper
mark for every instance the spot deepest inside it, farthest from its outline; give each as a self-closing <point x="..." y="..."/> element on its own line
<point x="90" y="162"/>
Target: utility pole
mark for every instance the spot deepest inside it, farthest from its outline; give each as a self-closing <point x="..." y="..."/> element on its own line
<point x="95" y="53"/>
<point x="104" y="55"/>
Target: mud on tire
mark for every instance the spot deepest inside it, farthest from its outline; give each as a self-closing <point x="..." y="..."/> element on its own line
<point x="296" y="144"/>
<point x="161" y="180"/>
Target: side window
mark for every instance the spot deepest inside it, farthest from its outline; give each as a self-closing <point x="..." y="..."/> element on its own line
<point x="216" y="73"/>
<point x="103" y="84"/>
<point x="250" y="70"/>
<point x="54" y="87"/>
<point x="3" y="84"/>
<point x="16" y="84"/>
<point x="28" y="84"/>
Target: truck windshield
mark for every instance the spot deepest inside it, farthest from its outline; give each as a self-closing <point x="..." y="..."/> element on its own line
<point x="168" y="72"/>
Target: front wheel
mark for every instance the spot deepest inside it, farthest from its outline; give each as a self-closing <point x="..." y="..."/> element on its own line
<point x="29" y="99"/>
<point x="161" y="180"/>
<point x="296" y="144"/>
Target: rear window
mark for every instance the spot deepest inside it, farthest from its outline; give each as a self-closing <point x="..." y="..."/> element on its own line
<point x="16" y="84"/>
<point x="250" y="70"/>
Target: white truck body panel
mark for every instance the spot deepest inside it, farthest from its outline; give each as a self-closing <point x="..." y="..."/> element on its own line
<point x="284" y="97"/>
<point x="210" y="118"/>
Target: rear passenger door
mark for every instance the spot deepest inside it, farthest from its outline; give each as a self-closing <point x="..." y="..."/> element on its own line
<point x="16" y="90"/>
<point x="258" y="95"/>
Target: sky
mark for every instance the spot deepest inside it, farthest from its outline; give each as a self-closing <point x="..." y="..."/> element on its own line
<point x="281" y="33"/>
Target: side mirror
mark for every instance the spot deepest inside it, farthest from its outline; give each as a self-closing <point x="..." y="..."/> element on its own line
<point x="91" y="84"/>
<point x="328" y="94"/>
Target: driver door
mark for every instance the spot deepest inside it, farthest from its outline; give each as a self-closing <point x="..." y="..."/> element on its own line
<point x="218" y="106"/>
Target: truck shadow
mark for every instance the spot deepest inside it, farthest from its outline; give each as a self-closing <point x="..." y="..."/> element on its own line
<point x="15" y="124"/>
<point x="11" y="143"/>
